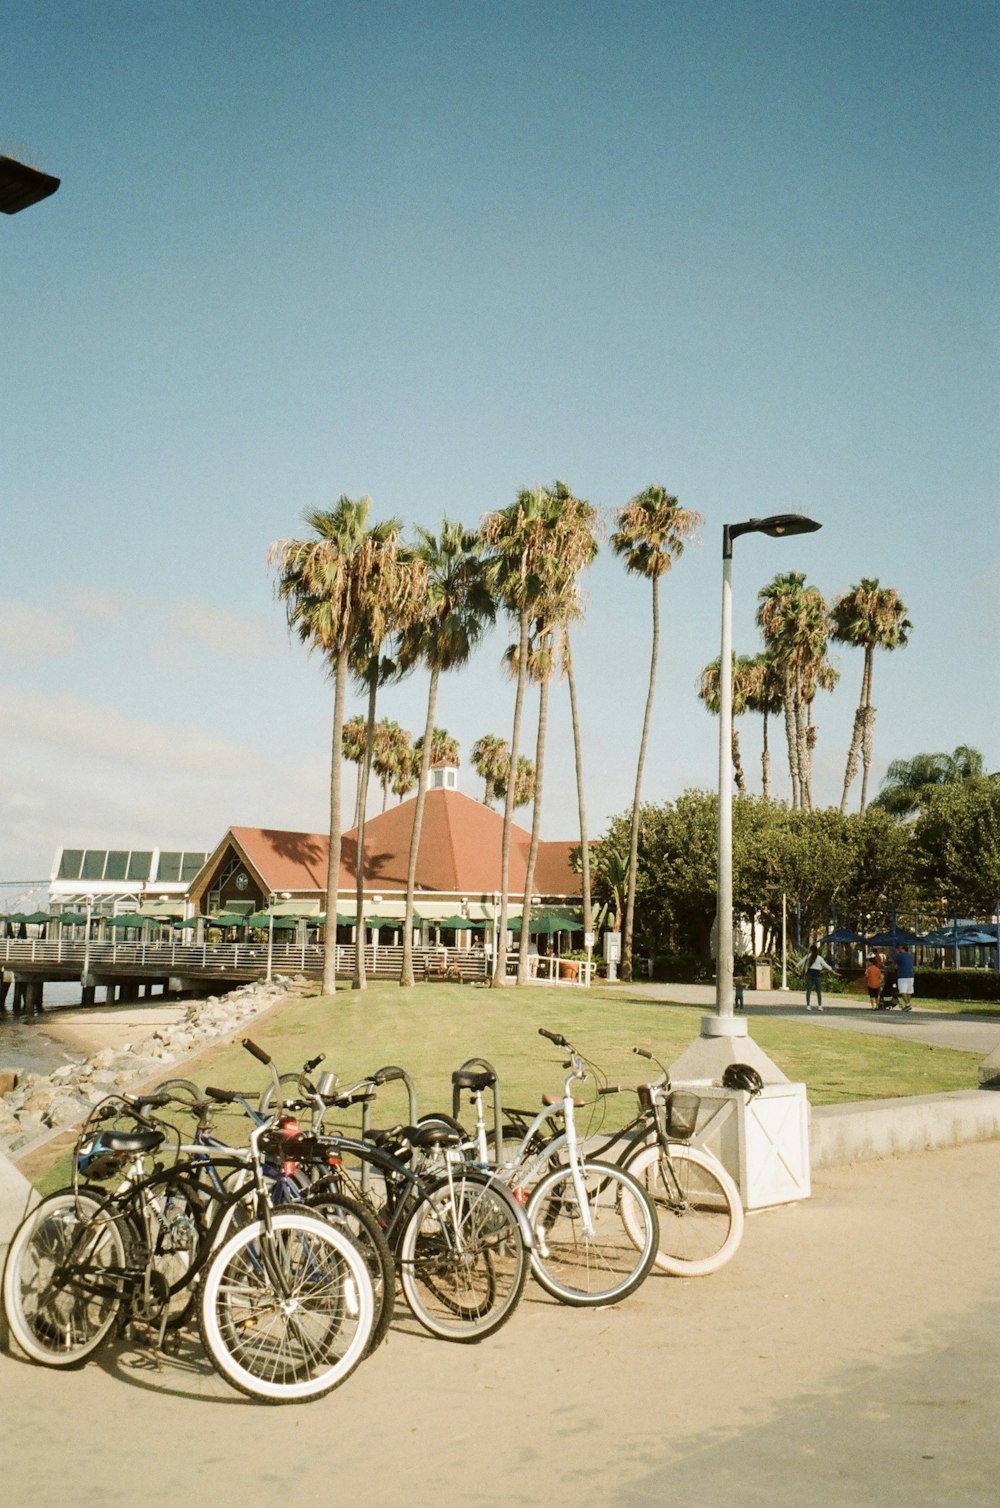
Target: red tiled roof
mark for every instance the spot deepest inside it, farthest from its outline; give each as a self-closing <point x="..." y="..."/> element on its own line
<point x="460" y="844"/>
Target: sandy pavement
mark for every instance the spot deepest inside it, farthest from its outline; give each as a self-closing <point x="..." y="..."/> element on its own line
<point x="847" y="1355"/>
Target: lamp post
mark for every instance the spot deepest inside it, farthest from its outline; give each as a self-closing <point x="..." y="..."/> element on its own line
<point x="725" y="1023"/>
<point x="272" y="901"/>
<point x="88" y="901"/>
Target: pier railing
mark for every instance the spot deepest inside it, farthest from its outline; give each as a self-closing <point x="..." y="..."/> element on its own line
<point x="250" y="960"/>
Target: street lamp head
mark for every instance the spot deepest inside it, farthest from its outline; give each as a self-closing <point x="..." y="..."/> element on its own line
<point x="22" y="186"/>
<point x="777" y="525"/>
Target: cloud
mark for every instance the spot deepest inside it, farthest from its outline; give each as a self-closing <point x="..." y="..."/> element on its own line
<point x="29" y="634"/>
<point x="105" y="605"/>
<point x="224" y="633"/>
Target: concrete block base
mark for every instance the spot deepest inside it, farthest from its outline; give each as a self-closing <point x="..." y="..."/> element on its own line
<point x="888" y="1128"/>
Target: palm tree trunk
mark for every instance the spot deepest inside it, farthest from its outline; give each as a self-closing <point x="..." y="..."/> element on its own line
<point x="765" y="766"/>
<point x="741" y="784"/>
<point x="868" y="723"/>
<point x="406" y="978"/>
<point x="633" y="841"/>
<point x="536" y="822"/>
<point x="581" y="807"/>
<point x="333" y="868"/>
<point x="500" y="968"/>
<point x="793" y="747"/>
<point x="360" y="980"/>
<point x="852" y="754"/>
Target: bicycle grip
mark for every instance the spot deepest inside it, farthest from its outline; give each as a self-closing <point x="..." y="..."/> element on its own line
<point x="258" y="1052"/>
<point x="642" y="1052"/>
<point x="555" y="1037"/>
<point x="313" y="1062"/>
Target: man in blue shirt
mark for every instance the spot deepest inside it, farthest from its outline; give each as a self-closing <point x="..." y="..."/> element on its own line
<point x="904" y="978"/>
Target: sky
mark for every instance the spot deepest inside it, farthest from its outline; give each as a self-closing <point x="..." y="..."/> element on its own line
<point x="434" y="251"/>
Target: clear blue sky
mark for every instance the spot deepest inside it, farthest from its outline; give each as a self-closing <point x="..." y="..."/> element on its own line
<point x="435" y="252"/>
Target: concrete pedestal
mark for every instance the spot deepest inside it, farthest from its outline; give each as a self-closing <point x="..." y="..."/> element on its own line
<point x="762" y="1142"/>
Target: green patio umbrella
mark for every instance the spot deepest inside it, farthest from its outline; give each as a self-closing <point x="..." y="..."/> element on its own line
<point x="264" y="919"/>
<point x="547" y="923"/>
<point x="39" y="918"/>
<point x="382" y="921"/>
<point x="458" y="923"/>
<point x="227" y="919"/>
<point x="72" y="919"/>
<point x="128" y="919"/>
<point x="15" y="916"/>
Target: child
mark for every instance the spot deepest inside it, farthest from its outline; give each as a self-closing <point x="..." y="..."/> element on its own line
<point x="873" y="979"/>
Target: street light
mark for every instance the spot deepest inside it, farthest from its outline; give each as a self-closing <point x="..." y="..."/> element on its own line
<point x="22" y="186"/>
<point x="88" y="901"/>
<point x="725" y="1023"/>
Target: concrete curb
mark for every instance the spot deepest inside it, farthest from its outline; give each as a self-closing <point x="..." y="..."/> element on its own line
<point x="887" y="1128"/>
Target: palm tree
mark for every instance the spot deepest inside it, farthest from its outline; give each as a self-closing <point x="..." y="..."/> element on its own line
<point x="872" y="617"/>
<point x="322" y="582"/>
<point x="909" y="783"/>
<point x="537" y="547"/>
<point x="745" y="677"/>
<point x="793" y="619"/>
<point x="391" y="597"/>
<point x="353" y="744"/>
<point x="491" y="762"/>
<point x="392" y="756"/>
<point x="650" y="535"/>
<point x="764" y="696"/>
<point x="457" y="608"/>
<point x="445" y="748"/>
<point x="574" y="712"/>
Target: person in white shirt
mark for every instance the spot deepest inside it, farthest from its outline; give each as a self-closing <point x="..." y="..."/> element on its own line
<point x="814" y="963"/>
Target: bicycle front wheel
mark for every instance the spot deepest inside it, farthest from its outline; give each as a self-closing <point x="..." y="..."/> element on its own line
<point x="463" y="1263"/>
<point x="64" y="1279"/>
<point x="698" y="1205"/>
<point x="605" y="1262"/>
<point x="287" y="1312"/>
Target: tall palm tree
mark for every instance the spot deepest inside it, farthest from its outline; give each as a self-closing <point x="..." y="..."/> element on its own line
<point x="574" y="712"/>
<point x="322" y="582"/>
<point x="764" y="696"/>
<point x="909" y="783"/>
<point x="491" y="761"/>
<point x="456" y="610"/>
<point x="650" y="534"/>
<point x="392" y="755"/>
<point x="353" y="744"/>
<point x="871" y="617"/>
<point x="537" y="546"/>
<point x="793" y="619"/>
<point x="745" y="677"/>
<point x="392" y="596"/>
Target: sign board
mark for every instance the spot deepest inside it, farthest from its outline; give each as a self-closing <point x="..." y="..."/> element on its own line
<point x="588" y="939"/>
<point x="612" y="947"/>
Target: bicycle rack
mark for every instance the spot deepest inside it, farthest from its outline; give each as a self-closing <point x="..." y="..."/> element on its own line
<point x="481" y="1065"/>
<point x="387" y="1075"/>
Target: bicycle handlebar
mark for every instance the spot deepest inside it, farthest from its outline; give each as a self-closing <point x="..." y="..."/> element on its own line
<point x="556" y="1037"/>
<point x="258" y="1052"/>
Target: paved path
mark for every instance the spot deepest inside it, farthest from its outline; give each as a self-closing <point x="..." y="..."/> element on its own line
<point x="847" y="1356"/>
<point x="968" y="1033"/>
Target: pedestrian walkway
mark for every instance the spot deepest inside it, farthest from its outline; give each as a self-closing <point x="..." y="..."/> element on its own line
<point x="965" y="1032"/>
<point x="847" y="1356"/>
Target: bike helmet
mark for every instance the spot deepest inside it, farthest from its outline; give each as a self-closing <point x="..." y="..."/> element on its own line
<point x="742" y="1076"/>
<point x="97" y="1160"/>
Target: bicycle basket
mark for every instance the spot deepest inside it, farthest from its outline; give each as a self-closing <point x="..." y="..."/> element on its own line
<point x="682" y="1113"/>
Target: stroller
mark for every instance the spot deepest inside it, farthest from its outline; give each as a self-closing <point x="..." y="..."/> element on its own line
<point x="888" y="998"/>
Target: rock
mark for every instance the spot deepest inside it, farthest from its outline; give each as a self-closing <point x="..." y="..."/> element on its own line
<point x="64" y="1111"/>
<point x="8" y="1080"/>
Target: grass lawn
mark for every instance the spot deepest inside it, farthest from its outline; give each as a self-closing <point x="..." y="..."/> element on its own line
<point x="434" y="1028"/>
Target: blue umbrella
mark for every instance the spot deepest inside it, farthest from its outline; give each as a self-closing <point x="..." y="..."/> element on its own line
<point x="898" y="937"/>
<point x="842" y="935"/>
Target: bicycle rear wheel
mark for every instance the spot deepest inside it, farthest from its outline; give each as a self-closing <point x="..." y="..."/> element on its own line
<point x="64" y="1279"/>
<point x="606" y="1263"/>
<point x="463" y="1263"/>
<point x="286" y="1314"/>
<point x="698" y="1205"/>
<point x="365" y="1231"/>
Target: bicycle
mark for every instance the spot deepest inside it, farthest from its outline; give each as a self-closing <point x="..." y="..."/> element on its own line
<point x="459" y="1238"/>
<point x="698" y="1205"/>
<point x="585" y="1252"/>
<point x="286" y="1303"/>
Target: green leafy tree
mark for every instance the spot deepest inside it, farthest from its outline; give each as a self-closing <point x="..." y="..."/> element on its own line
<point x="956" y="841"/>
<point x="910" y="783"/>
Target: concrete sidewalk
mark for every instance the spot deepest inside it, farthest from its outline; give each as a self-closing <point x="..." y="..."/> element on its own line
<point x="848" y="1355"/>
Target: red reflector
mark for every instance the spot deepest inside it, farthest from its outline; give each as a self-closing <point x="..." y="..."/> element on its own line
<point x="289" y="1168"/>
<point x="521" y="1195"/>
<point x="334" y="1162"/>
<point x="289" y="1125"/>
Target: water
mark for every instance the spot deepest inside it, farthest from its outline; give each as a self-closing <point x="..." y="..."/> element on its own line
<point x="24" y="1044"/>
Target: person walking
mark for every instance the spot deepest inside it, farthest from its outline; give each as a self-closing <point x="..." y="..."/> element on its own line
<point x="814" y="963"/>
<point x="873" y="979"/>
<point x="904" y="978"/>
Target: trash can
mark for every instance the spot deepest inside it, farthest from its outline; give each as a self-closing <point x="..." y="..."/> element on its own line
<point x="762" y="974"/>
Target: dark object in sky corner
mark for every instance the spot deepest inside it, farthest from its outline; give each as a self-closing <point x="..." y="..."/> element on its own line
<point x="21" y="186"/>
